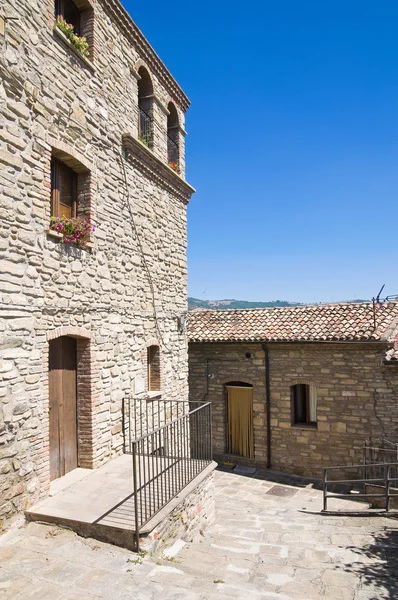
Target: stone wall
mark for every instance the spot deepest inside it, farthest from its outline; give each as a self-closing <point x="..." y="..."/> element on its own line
<point x="189" y="519"/>
<point x="128" y="287"/>
<point x="356" y="399"/>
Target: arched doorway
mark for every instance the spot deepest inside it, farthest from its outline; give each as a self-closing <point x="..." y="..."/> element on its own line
<point x="240" y="436"/>
<point x="63" y="406"/>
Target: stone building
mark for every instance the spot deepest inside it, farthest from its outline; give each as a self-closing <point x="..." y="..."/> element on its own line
<point x="296" y="389"/>
<point x="91" y="131"/>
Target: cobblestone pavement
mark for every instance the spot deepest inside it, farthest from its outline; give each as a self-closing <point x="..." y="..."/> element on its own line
<point x="267" y="542"/>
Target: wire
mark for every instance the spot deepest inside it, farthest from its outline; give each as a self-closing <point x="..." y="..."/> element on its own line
<point x="146" y="267"/>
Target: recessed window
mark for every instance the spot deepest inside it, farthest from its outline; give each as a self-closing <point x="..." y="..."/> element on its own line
<point x="303" y="398"/>
<point x="145" y="102"/>
<point x="71" y="199"/>
<point x="70" y="13"/>
<point x="76" y="22"/>
<point x="173" y="151"/>
<point x="153" y="364"/>
<point x="63" y="190"/>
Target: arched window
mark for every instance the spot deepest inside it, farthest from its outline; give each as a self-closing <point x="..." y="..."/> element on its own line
<point x="303" y="400"/>
<point x="173" y="154"/>
<point x="145" y="100"/>
<point x="153" y="366"/>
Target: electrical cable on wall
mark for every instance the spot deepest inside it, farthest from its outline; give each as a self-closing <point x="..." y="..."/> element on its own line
<point x="146" y="267"/>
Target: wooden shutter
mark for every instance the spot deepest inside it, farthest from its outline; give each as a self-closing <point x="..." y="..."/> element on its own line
<point x="63" y="190"/>
<point x="153" y="358"/>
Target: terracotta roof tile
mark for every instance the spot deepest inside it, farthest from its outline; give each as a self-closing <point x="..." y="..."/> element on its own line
<point x="320" y="322"/>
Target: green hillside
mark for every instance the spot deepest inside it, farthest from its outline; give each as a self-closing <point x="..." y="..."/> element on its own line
<point x="238" y="304"/>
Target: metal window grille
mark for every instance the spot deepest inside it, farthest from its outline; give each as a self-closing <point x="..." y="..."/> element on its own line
<point x="145" y="127"/>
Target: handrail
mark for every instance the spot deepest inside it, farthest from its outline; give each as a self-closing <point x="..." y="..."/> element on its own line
<point x="385" y="480"/>
<point x="370" y="465"/>
<point x="174" y="449"/>
<point x="191" y="412"/>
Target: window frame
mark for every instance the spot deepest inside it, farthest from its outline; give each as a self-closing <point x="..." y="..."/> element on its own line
<point x="56" y="188"/>
<point x="153" y="354"/>
<point x="309" y="389"/>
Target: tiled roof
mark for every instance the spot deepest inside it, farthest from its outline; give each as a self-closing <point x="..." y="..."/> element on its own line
<point x="392" y="355"/>
<point x="321" y="322"/>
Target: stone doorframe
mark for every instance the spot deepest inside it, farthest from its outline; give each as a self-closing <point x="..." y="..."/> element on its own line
<point x="86" y="396"/>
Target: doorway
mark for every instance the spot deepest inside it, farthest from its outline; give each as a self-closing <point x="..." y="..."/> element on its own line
<point x="240" y="436"/>
<point x="63" y="406"/>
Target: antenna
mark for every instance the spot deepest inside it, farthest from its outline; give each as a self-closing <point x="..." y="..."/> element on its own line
<point x="378" y="295"/>
<point x="374" y="300"/>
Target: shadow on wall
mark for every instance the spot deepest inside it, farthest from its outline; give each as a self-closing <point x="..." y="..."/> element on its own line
<point x="380" y="571"/>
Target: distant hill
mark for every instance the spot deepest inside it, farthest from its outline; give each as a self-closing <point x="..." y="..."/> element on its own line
<point x="238" y="304"/>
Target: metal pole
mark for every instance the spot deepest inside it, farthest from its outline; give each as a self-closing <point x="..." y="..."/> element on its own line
<point x="137" y="533"/>
<point x="388" y="489"/>
<point x="325" y="484"/>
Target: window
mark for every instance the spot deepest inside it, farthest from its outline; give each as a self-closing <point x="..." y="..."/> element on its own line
<point x="81" y="16"/>
<point x="173" y="154"/>
<point x="63" y="190"/>
<point x="303" y="398"/>
<point x="153" y="363"/>
<point x="69" y="11"/>
<point x="145" y="101"/>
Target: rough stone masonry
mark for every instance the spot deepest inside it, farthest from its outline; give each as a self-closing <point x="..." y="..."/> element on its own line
<point x="127" y="289"/>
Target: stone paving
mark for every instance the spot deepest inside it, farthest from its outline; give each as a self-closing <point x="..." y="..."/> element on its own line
<point x="268" y="542"/>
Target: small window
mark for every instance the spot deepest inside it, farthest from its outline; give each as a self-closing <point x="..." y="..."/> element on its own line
<point x="63" y="190"/>
<point x="303" y="398"/>
<point x="153" y="359"/>
<point x="70" y="13"/>
<point x="81" y="17"/>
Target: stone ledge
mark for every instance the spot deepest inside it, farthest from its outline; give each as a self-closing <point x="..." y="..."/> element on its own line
<point x="60" y="236"/>
<point x="55" y="234"/>
<point x="81" y="56"/>
<point x="144" y="159"/>
<point x="153" y="395"/>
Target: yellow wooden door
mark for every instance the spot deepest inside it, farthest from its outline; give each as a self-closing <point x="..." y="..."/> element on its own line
<point x="240" y="421"/>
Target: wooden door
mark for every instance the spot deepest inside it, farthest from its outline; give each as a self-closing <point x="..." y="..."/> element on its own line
<point x="63" y="406"/>
<point x="240" y="420"/>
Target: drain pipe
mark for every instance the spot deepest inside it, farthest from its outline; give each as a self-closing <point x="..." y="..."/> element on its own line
<point x="268" y="403"/>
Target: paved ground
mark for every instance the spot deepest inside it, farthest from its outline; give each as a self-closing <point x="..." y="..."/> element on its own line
<point x="265" y="544"/>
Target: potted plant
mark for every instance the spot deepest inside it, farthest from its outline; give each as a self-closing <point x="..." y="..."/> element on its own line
<point x="75" y="230"/>
<point x="80" y="43"/>
<point x="175" y="166"/>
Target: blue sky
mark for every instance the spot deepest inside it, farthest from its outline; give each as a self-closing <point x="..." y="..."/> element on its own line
<point x="292" y="144"/>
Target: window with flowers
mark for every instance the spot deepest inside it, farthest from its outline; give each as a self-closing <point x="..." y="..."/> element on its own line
<point x="76" y="22"/>
<point x="70" y="197"/>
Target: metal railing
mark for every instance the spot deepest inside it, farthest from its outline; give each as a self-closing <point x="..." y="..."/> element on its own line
<point x="377" y="452"/>
<point x="145" y="129"/>
<point x="388" y="478"/>
<point x="172" y="150"/>
<point x="170" y="445"/>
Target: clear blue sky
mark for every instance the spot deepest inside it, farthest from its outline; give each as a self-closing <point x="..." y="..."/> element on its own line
<point x="292" y="143"/>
